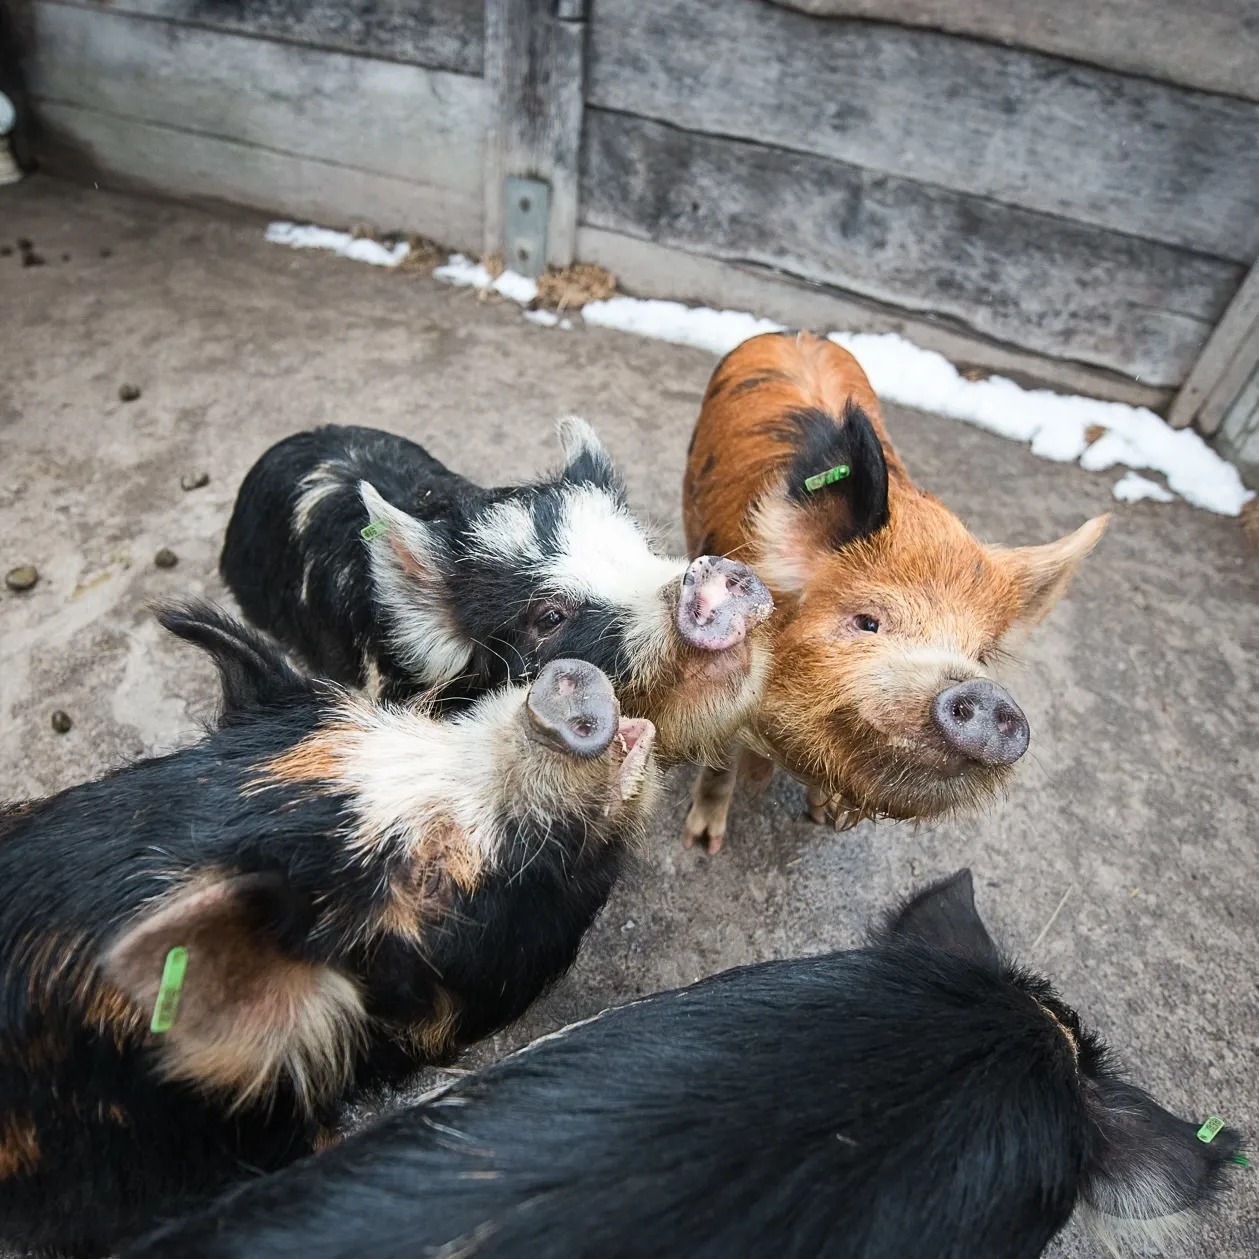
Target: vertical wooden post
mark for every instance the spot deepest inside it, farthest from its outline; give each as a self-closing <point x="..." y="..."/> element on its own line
<point x="535" y="54"/>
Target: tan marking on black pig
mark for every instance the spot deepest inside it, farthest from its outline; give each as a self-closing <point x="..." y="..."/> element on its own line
<point x="19" y="1146"/>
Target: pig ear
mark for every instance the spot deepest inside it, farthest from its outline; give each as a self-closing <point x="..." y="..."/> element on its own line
<point x="586" y="461"/>
<point x="408" y="563"/>
<point x="1149" y="1172"/>
<point x="799" y="525"/>
<point x="944" y="916"/>
<point x="1042" y="572"/>
<point x="250" y="1009"/>
<point x="252" y="671"/>
<point x="839" y="473"/>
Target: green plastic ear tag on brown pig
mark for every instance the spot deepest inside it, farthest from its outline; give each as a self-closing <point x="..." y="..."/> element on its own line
<point x="169" y="990"/>
<point x="829" y="477"/>
<point x="373" y="530"/>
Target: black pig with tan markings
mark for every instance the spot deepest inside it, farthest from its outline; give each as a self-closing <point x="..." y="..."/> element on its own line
<point x="352" y="889"/>
<point x="458" y="589"/>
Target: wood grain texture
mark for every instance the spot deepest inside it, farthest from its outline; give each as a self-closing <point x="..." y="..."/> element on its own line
<point x="1238" y="438"/>
<point x="427" y="126"/>
<point x="535" y="74"/>
<point x="442" y="34"/>
<point x="1117" y="152"/>
<point x="646" y="269"/>
<point x="1027" y="279"/>
<point x="1224" y="364"/>
<point x="128" y="153"/>
<point x="1207" y="44"/>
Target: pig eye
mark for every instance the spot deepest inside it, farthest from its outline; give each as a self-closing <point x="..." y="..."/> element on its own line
<point x="548" y="619"/>
<point x="865" y="623"/>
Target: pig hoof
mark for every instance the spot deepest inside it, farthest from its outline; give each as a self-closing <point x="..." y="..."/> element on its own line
<point x="699" y="831"/>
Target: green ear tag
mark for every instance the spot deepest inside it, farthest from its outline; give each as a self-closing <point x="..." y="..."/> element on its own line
<point x="829" y="477"/>
<point x="374" y="530"/>
<point x="168" y="991"/>
<point x="1211" y="1129"/>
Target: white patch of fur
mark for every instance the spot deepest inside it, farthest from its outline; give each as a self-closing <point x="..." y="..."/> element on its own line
<point x="1130" y="1233"/>
<point x="308" y="570"/>
<point x="901" y="679"/>
<point x="784" y="557"/>
<point x="506" y="532"/>
<point x="324" y="480"/>
<point x="408" y="773"/>
<point x="603" y="555"/>
<point x="423" y="631"/>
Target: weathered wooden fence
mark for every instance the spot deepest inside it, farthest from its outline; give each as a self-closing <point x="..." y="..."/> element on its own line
<point x="1066" y="190"/>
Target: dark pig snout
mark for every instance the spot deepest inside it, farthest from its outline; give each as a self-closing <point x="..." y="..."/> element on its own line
<point x="721" y="601"/>
<point x="572" y="709"/>
<point x="980" y="720"/>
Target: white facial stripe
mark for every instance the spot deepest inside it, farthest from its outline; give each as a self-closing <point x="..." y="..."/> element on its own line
<point x="323" y="480"/>
<point x="409" y="773"/>
<point x="602" y="553"/>
<point x="506" y="532"/>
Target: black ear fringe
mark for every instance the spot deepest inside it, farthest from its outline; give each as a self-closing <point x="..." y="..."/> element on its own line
<point x="822" y="444"/>
<point x="252" y="670"/>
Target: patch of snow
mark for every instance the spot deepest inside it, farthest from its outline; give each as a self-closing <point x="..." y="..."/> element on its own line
<point x="718" y="331"/>
<point x="1054" y="423"/>
<point x="359" y="249"/>
<point x="465" y="273"/>
<point x="1133" y="487"/>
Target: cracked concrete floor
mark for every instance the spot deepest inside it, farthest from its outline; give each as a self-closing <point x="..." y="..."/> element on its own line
<point x="1138" y="799"/>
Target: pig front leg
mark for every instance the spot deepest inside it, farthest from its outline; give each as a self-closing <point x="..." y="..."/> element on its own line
<point x="710" y="807"/>
<point x="710" y="799"/>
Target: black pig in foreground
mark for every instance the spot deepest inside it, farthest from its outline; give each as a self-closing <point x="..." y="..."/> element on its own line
<point x="916" y="1099"/>
<point x="459" y="589"/>
<point x="356" y="888"/>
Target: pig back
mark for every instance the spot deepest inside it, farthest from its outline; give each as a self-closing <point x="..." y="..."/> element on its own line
<point x="743" y="438"/>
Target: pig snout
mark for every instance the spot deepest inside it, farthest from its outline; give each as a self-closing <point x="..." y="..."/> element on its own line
<point x="980" y="720"/>
<point x="721" y="601"/>
<point x="571" y="708"/>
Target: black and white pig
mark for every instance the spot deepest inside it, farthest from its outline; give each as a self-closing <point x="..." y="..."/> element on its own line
<point x="917" y="1099"/>
<point x="458" y="589"/>
<point x="357" y="889"/>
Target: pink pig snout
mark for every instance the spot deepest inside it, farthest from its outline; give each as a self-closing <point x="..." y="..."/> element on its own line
<point x="721" y="601"/>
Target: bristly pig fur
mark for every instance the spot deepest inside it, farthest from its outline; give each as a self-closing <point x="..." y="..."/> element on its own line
<point x="920" y="1098"/>
<point x="466" y="588"/>
<point x="361" y="889"/>
<point x="846" y="708"/>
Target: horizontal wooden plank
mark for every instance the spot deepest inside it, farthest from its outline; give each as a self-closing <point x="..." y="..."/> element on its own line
<point x="443" y="34"/>
<point x="1030" y="280"/>
<point x="425" y="126"/>
<point x="1213" y="46"/>
<point x="646" y="269"/>
<point x="1224" y="363"/>
<point x="1122" y="153"/>
<point x="124" y="152"/>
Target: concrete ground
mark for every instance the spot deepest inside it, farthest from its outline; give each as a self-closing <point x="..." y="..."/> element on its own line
<point x="1137" y="803"/>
